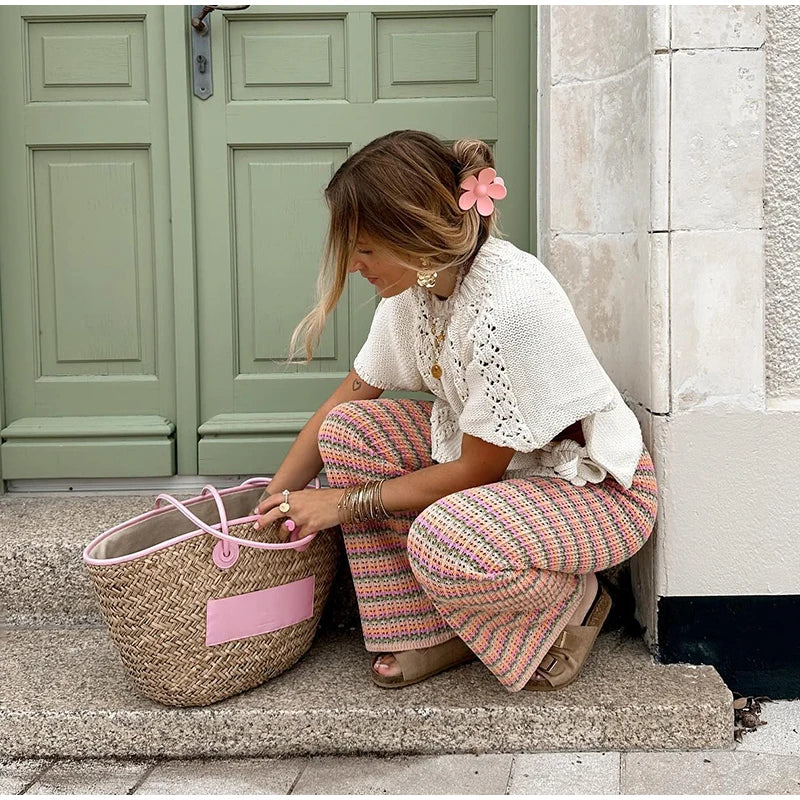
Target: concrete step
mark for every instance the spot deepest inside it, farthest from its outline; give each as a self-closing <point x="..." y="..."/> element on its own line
<point x="43" y="580"/>
<point x="67" y="696"/>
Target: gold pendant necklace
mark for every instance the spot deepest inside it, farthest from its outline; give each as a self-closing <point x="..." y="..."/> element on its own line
<point x="436" y="369"/>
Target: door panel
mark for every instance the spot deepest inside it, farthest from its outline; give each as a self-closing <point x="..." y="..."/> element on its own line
<point x="85" y="236"/>
<point x="297" y="90"/>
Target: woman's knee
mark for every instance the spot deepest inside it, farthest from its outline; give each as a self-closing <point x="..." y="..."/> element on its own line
<point x="341" y="427"/>
<point x="443" y="547"/>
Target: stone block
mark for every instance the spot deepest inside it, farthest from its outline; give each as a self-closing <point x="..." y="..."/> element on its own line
<point x="70" y="699"/>
<point x="91" y="776"/>
<point x="659" y="27"/>
<point x="659" y="318"/>
<point x="717" y="318"/>
<point x="717" y="26"/>
<point x="251" y="776"/>
<point x="565" y="773"/>
<point x="600" y="146"/>
<point x="607" y="280"/>
<point x="717" y="148"/>
<point x="709" y="772"/>
<point x="590" y="42"/>
<point x="725" y="504"/>
<point x="659" y="142"/>
<point x="466" y="774"/>
<point x="17" y="774"/>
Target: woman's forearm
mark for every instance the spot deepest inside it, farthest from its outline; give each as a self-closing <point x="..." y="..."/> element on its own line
<point x="417" y="490"/>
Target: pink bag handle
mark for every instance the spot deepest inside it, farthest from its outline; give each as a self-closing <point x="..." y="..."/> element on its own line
<point x="265" y="481"/>
<point x="248" y="482"/>
<point x="225" y="536"/>
<point x="261" y="482"/>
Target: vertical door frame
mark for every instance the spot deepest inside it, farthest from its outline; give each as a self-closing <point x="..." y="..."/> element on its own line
<point x="8" y="14"/>
<point x="184" y="262"/>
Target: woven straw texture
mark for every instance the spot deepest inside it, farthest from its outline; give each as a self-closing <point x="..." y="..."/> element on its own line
<point x="155" y="610"/>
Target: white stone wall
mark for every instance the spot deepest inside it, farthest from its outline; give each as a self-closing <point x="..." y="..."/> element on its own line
<point x="593" y="236"/>
<point x="652" y="168"/>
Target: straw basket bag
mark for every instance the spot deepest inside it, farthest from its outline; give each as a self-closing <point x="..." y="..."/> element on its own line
<point x="199" y="604"/>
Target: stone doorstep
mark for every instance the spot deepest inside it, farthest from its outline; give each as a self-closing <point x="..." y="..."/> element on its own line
<point x="69" y="698"/>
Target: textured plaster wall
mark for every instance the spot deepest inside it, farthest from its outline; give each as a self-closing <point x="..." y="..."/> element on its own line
<point x="781" y="204"/>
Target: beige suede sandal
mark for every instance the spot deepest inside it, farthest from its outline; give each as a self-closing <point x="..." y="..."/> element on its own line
<point x="565" y="659"/>
<point x="416" y="665"/>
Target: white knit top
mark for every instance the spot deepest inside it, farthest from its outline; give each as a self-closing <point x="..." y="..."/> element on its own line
<point x="516" y="370"/>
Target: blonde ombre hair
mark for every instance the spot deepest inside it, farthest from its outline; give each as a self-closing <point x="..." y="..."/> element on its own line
<point x="401" y="190"/>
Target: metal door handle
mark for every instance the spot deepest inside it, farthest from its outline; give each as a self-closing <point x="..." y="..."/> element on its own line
<point x="198" y="22"/>
<point x="202" y="79"/>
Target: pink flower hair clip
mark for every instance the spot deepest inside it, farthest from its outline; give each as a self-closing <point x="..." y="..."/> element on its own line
<point x="481" y="190"/>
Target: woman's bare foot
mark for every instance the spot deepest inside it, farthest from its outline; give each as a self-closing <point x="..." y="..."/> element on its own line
<point x="386" y="664"/>
<point x="587" y="598"/>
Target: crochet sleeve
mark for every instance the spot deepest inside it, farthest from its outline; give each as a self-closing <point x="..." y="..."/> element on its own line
<point x="387" y="359"/>
<point x="532" y="371"/>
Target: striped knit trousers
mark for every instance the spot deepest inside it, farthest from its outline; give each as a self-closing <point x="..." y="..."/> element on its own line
<point x="502" y="565"/>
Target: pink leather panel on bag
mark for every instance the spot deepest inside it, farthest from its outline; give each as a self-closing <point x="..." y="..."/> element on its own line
<point x="245" y="615"/>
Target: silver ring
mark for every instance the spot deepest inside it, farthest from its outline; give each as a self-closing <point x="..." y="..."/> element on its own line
<point x="284" y="506"/>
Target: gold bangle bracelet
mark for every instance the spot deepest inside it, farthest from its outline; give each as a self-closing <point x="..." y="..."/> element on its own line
<point x="375" y="510"/>
<point x="362" y="502"/>
<point x="380" y="511"/>
<point x="380" y="501"/>
<point x="351" y="501"/>
<point x="357" y="515"/>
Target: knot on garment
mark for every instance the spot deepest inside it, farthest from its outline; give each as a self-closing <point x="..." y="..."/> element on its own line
<point x="570" y="460"/>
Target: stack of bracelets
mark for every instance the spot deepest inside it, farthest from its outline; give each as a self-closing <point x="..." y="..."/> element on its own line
<point x="360" y="503"/>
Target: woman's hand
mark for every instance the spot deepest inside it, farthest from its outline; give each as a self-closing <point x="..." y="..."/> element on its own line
<point x="310" y="509"/>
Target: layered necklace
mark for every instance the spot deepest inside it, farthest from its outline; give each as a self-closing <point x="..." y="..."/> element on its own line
<point x="439" y="319"/>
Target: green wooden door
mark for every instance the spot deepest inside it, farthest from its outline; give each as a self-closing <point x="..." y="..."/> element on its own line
<point x="156" y="249"/>
<point x="298" y="89"/>
<point x="85" y="243"/>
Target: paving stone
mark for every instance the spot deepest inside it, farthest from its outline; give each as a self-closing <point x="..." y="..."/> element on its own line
<point x="565" y="773"/>
<point x="91" y="776"/>
<point x="466" y="774"/>
<point x="709" y="772"/>
<point x="224" y="776"/>
<point x="781" y="734"/>
<point x="16" y="774"/>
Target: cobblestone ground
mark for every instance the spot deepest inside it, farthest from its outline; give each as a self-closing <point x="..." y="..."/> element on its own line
<point x="766" y="761"/>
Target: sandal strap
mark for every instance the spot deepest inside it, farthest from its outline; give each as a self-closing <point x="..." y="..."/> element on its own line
<point x="571" y="648"/>
<point x="415" y="664"/>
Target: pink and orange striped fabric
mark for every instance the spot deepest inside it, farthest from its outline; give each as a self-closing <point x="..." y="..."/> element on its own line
<point x="499" y="565"/>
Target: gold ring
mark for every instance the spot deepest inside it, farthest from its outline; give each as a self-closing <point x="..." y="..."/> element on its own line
<point x="284" y="506"/>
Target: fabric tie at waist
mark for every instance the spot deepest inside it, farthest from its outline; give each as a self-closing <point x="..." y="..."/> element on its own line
<point x="570" y="460"/>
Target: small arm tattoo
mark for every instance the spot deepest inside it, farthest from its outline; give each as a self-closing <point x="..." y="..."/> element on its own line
<point x="356" y="384"/>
